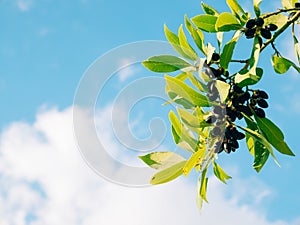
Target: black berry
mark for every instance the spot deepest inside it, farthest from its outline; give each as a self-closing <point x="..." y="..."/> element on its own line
<point x="263" y="94"/>
<point x="215" y="57"/>
<point x="265" y="33"/>
<point x="250" y="33"/>
<point x="211" y="119"/>
<point x="250" y="24"/>
<point x="271" y="27"/>
<point x="262" y="103"/>
<point x="297" y="5"/>
<point x="260" y="112"/>
<point x="259" y="22"/>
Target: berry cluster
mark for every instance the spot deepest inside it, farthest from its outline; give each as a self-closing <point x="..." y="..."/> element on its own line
<point x="253" y="26"/>
<point x="243" y="102"/>
<point x="230" y="140"/>
<point x="239" y="101"/>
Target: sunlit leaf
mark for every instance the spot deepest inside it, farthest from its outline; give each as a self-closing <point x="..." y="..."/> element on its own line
<point x="161" y="160"/>
<point x="194" y="160"/>
<point x="282" y="65"/>
<point x="227" y="22"/>
<point x="168" y="174"/>
<point x="223" y="89"/>
<point x="196" y="34"/>
<point x="209" y="9"/>
<point x="185" y="46"/>
<point x="205" y="22"/>
<point x="165" y="63"/>
<point x="227" y="52"/>
<point x="220" y="173"/>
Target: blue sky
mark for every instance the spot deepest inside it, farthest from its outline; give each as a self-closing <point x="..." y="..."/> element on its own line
<point x="45" y="48"/>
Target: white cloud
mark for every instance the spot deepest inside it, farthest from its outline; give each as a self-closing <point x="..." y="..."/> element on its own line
<point x="24" y="5"/>
<point x="43" y="176"/>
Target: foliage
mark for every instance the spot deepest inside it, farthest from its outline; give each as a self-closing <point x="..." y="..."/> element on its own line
<point x="212" y="99"/>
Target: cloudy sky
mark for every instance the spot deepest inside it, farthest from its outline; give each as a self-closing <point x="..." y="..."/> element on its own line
<point x="47" y="48"/>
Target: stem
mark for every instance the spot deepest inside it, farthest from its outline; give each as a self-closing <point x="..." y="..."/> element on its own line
<point x="278" y="12"/>
<point x="239" y="61"/>
<point x="281" y="30"/>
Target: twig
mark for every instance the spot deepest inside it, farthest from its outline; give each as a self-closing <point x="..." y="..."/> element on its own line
<point x="281" y="30"/>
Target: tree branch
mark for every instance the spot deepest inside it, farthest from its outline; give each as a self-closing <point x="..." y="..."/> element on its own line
<point x="281" y="30"/>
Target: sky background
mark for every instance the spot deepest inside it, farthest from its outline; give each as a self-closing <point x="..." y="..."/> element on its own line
<point x="45" y="48"/>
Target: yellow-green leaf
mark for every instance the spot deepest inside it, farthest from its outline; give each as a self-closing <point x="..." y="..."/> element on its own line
<point x="168" y="174"/>
<point x="161" y="160"/>
<point x="227" y="22"/>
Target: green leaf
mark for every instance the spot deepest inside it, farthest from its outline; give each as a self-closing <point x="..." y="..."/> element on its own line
<point x="209" y="9"/>
<point x="220" y="173"/>
<point x="223" y="89"/>
<point x="183" y="134"/>
<point x="205" y="22"/>
<point x="279" y="20"/>
<point x="203" y="186"/>
<point x="257" y="136"/>
<point x="168" y="174"/>
<point x="185" y="46"/>
<point x="194" y="160"/>
<point x="254" y="56"/>
<point x="190" y="119"/>
<point x="161" y="160"/>
<point x="227" y="52"/>
<point x="248" y="79"/>
<point x="185" y="91"/>
<point x="296" y="47"/>
<point x="197" y="35"/>
<point x="237" y="10"/>
<point x="274" y="135"/>
<point x="165" y="63"/>
<point x="282" y="65"/>
<point x="261" y="155"/>
<point x="227" y="22"/>
<point x="220" y="40"/>
<point x="256" y="148"/>
<point x="174" y="41"/>
<point x="256" y="4"/>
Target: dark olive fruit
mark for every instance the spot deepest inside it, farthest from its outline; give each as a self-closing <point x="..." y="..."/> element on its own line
<point x="221" y="79"/>
<point x="260" y="112"/>
<point x="259" y="22"/>
<point x="211" y="119"/>
<point x="216" y="131"/>
<point x="215" y="57"/>
<point x="244" y="97"/>
<point x="297" y="5"/>
<point x="231" y="115"/>
<point x="260" y="41"/>
<point x="234" y="144"/>
<point x="253" y="102"/>
<point x="212" y="96"/>
<point x="237" y="89"/>
<point x="218" y="110"/>
<point x="245" y="109"/>
<point x="218" y="147"/>
<point x="250" y="23"/>
<point x="221" y="70"/>
<point x="215" y="72"/>
<point x="271" y="27"/>
<point x="240" y="136"/>
<point x="239" y="115"/>
<point x="262" y="103"/>
<point x="211" y="86"/>
<point x="263" y="94"/>
<point x="265" y="33"/>
<point x="250" y="33"/>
